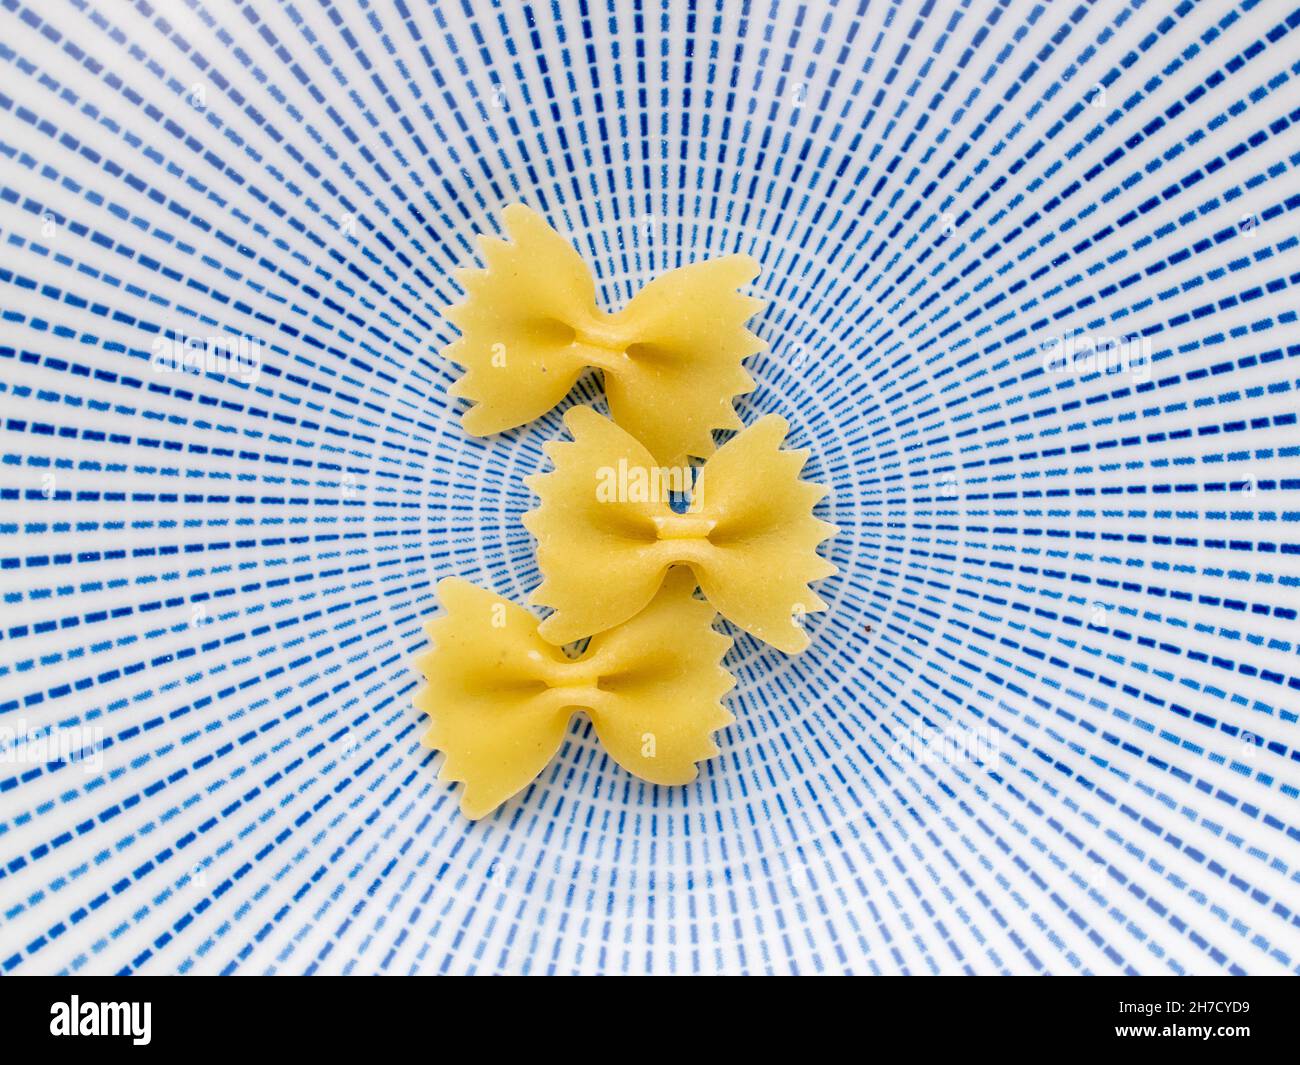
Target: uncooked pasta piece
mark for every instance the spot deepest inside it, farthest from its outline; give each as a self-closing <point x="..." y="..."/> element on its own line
<point x="671" y="359"/>
<point x="499" y="697"/>
<point x="607" y="534"/>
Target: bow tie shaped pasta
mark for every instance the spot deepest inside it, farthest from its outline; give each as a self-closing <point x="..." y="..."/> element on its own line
<point x="500" y="698"/>
<point x="749" y="537"/>
<point x="671" y="359"/>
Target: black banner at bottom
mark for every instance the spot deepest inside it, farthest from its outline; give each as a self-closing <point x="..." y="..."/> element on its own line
<point x="342" y="1015"/>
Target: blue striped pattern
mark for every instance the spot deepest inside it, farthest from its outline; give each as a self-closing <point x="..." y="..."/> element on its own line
<point x="1049" y="721"/>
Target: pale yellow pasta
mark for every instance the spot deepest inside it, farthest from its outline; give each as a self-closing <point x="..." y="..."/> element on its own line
<point x="607" y="537"/>
<point x="499" y="697"/>
<point x="671" y="359"/>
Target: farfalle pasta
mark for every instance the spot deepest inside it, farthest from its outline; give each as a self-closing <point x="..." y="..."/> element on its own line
<point x="620" y="564"/>
<point x="749" y="536"/>
<point x="671" y="360"/>
<point x="499" y="697"/>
